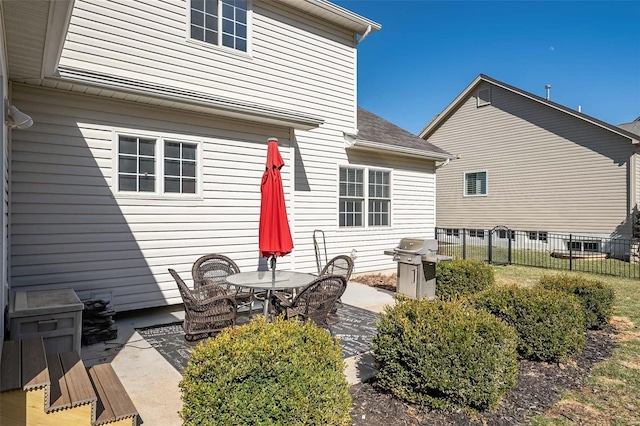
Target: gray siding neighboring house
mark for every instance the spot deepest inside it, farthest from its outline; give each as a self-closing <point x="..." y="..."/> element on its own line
<point x="531" y="164"/>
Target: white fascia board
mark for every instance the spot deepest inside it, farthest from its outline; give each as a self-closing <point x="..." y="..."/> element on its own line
<point x="225" y="106"/>
<point x="57" y="26"/>
<point x="412" y="152"/>
<point x="333" y="13"/>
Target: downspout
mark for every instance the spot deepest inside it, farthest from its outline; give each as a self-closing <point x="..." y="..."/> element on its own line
<point x="366" y="33"/>
<point x="443" y="164"/>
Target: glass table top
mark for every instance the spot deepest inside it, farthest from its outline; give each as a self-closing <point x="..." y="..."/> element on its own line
<point x="281" y="280"/>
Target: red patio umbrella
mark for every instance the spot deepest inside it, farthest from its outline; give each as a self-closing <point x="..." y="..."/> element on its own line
<point x="274" y="238"/>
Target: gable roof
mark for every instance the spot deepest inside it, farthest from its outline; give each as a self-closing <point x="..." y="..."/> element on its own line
<point x="376" y="133"/>
<point x="633" y="127"/>
<point x="462" y="97"/>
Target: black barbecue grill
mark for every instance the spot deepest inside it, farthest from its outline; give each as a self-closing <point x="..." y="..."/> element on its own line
<point x="417" y="259"/>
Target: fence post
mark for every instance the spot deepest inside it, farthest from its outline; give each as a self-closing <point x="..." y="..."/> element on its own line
<point x="464" y="243"/>
<point x="571" y="252"/>
<point x="509" y="245"/>
<point x="489" y="251"/>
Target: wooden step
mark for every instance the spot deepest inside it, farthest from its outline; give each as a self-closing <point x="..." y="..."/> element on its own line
<point x="70" y="383"/>
<point x="114" y="404"/>
<point x="10" y="377"/>
<point x="24" y="365"/>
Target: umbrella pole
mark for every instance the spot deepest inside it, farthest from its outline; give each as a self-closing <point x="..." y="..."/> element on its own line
<point x="273" y="267"/>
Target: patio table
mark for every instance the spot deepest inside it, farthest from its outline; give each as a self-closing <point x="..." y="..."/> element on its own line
<point x="270" y="281"/>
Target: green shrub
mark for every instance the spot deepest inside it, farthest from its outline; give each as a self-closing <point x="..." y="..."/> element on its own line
<point x="283" y="372"/>
<point x="595" y="296"/>
<point x="549" y="323"/>
<point x="444" y="354"/>
<point x="457" y="278"/>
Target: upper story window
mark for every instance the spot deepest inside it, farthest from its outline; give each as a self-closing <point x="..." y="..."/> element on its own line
<point x="353" y="199"/>
<point x="155" y="165"/>
<point x="220" y="22"/>
<point x="475" y="183"/>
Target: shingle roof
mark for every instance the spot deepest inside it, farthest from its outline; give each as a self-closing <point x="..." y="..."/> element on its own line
<point x="633" y="127"/>
<point x="376" y="129"/>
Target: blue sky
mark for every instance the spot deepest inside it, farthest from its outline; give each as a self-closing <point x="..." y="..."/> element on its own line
<point x="429" y="51"/>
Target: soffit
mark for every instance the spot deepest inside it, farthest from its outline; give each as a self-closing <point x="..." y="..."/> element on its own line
<point x="25" y="29"/>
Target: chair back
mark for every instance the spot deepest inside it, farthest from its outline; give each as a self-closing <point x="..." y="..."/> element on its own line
<point x="317" y="299"/>
<point x="215" y="267"/>
<point x="339" y="265"/>
<point x="185" y="291"/>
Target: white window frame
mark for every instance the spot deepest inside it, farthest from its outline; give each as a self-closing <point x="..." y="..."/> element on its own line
<point x="503" y="234"/>
<point x="483" y="100"/>
<point x="477" y="233"/>
<point x="365" y="198"/>
<point x="452" y="232"/>
<point x="160" y="139"/>
<point x="464" y="183"/>
<point x="541" y="236"/>
<point x="219" y="44"/>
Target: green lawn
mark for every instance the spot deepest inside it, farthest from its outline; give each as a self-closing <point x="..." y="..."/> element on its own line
<point x="612" y="395"/>
<point x="543" y="259"/>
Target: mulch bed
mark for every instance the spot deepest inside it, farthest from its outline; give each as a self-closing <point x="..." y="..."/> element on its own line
<point x="538" y="388"/>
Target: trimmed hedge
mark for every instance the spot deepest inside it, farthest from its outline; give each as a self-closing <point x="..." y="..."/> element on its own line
<point x="549" y="323"/>
<point x="595" y="296"/>
<point x="444" y="354"/>
<point x="283" y="372"/>
<point x="455" y="278"/>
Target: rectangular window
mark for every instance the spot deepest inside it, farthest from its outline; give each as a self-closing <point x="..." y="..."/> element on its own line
<point x="542" y="236"/>
<point x="354" y="199"/>
<point x="220" y="22"/>
<point x="180" y="167"/>
<point x="477" y="233"/>
<point x="136" y="164"/>
<point x="453" y="232"/>
<point x="574" y="245"/>
<point x="379" y="198"/>
<point x="351" y="204"/>
<point x="592" y="246"/>
<point x="533" y="235"/>
<point x="502" y="233"/>
<point x="153" y="165"/>
<point x="475" y="183"/>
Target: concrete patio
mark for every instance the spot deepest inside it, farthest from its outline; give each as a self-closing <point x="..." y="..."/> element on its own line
<point x="152" y="383"/>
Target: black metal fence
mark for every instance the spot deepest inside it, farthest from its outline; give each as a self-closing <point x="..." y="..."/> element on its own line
<point x="570" y="252"/>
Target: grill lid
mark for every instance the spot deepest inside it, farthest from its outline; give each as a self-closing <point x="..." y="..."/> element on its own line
<point x="417" y="246"/>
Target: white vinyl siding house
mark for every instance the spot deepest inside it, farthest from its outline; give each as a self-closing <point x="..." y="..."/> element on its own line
<point x="548" y="168"/>
<point x="148" y="146"/>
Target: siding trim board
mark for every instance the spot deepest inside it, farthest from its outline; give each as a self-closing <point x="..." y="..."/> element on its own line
<point x="462" y="97"/>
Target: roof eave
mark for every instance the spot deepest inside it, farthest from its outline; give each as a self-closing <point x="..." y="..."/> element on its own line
<point x="336" y="14"/>
<point x="434" y="124"/>
<point x="400" y="150"/>
<point x="220" y="106"/>
<point x="57" y="26"/>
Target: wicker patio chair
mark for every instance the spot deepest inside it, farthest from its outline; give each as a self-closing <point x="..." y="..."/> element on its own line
<point x="207" y="309"/>
<point x="314" y="302"/>
<point x="339" y="265"/>
<point x="217" y="267"/>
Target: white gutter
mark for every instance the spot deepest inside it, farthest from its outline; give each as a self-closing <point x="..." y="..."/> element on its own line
<point x="377" y="146"/>
<point x="248" y="110"/>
